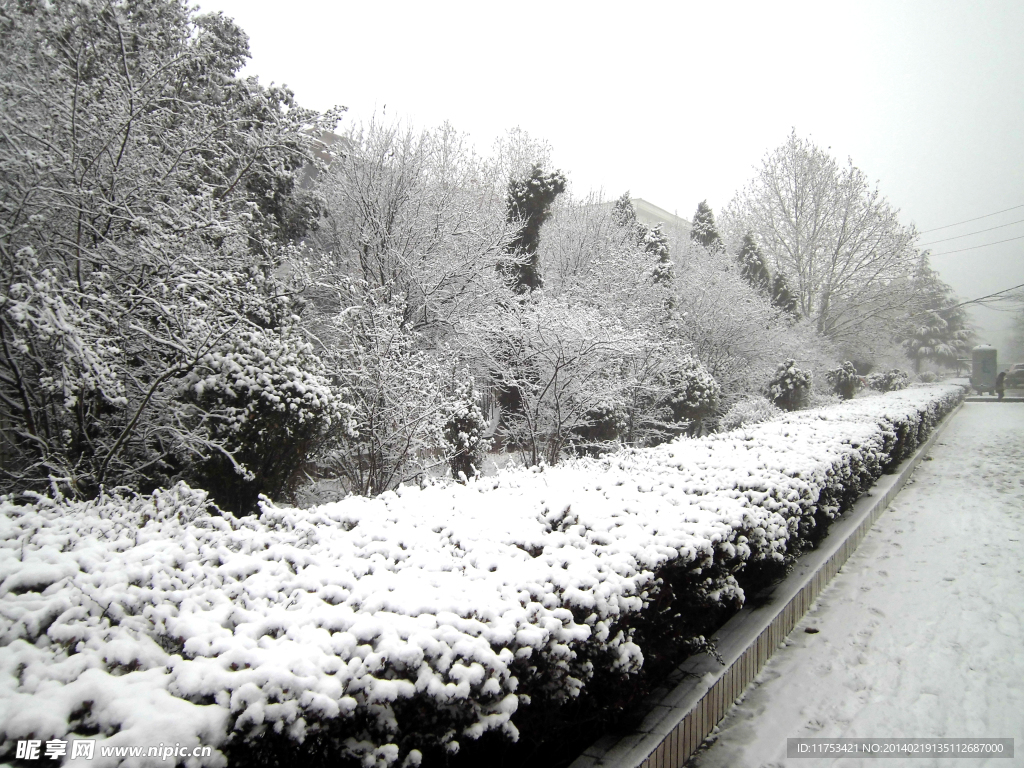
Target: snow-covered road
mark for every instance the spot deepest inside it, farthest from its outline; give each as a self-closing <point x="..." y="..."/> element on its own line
<point x="922" y="632"/>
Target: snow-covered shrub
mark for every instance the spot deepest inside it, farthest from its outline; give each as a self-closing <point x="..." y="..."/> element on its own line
<point x="266" y="408"/>
<point x="464" y="429"/>
<point x="693" y="393"/>
<point x="844" y="380"/>
<point x="600" y="429"/>
<point x="927" y="377"/>
<point x="888" y="381"/>
<point x="379" y="630"/>
<point x="753" y="410"/>
<point x="789" y="387"/>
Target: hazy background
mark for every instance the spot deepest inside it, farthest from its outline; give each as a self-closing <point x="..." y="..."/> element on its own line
<point x="677" y="102"/>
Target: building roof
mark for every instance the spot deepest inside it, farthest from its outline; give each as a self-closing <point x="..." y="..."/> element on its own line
<point x="650" y="214"/>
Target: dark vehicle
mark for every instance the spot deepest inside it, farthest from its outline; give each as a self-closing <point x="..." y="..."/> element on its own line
<point x="1015" y="377"/>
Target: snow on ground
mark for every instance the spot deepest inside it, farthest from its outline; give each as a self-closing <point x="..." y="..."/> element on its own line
<point x="922" y="633"/>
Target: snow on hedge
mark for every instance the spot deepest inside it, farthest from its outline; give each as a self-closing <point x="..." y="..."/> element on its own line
<point x="384" y="626"/>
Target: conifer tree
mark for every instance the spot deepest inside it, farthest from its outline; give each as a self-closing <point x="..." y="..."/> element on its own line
<point x="624" y="214"/>
<point x="656" y="243"/>
<point x="651" y="239"/>
<point x="941" y="331"/>
<point x="752" y="265"/>
<point x="782" y="297"/>
<point x="529" y="203"/>
<point x="754" y="269"/>
<point x="704" y="231"/>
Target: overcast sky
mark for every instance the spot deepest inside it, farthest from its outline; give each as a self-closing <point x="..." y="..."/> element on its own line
<point x="678" y="101"/>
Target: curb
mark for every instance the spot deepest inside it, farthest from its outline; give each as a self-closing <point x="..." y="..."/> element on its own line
<point x="700" y="691"/>
<point x="980" y="399"/>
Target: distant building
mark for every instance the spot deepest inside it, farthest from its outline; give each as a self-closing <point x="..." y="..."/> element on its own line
<point x="650" y="214"/>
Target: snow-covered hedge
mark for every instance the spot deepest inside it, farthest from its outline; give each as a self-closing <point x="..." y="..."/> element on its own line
<point x="384" y="629"/>
<point x="888" y="381"/>
<point x="748" y="412"/>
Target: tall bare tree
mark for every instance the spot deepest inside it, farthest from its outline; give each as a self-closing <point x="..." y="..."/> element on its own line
<point x="838" y="242"/>
<point x="416" y="217"/>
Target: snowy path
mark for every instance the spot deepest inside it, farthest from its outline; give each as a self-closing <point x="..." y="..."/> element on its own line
<point x="922" y="632"/>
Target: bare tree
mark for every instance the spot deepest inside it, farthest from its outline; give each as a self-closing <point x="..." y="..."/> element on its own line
<point x="836" y="240"/>
<point x="730" y="326"/>
<point x="416" y="216"/>
<point x="561" y="361"/>
<point x="397" y="388"/>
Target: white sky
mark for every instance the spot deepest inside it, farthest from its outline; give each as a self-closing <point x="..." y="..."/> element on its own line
<point x="677" y="101"/>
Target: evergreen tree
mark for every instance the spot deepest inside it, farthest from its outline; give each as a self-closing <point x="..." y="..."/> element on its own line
<point x="656" y="243"/>
<point x="782" y="297"/>
<point x="754" y="269"/>
<point x="651" y="239"/>
<point x="624" y="214"/>
<point x="529" y="203"/>
<point x="940" y="331"/>
<point x="844" y="380"/>
<point x="789" y="387"/>
<point x="704" y="231"/>
<point x="752" y="265"/>
<point x="694" y="394"/>
<point x="464" y="428"/>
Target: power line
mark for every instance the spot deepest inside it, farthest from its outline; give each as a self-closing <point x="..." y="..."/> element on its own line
<point x="997" y="296"/>
<point x="975" y="247"/>
<point x="957" y="237"/>
<point x="984" y="301"/>
<point x="968" y="221"/>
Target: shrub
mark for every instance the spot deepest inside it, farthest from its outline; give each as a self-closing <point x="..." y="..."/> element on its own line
<point x="789" y="387"/>
<point x="746" y="412"/>
<point x="694" y="393"/>
<point x="464" y="429"/>
<point x="889" y="381"/>
<point x="265" y="411"/>
<point x="602" y="425"/>
<point x="844" y="380"/>
<point x="928" y="377"/>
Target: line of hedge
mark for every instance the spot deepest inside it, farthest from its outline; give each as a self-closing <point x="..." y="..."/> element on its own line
<point x="394" y="631"/>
